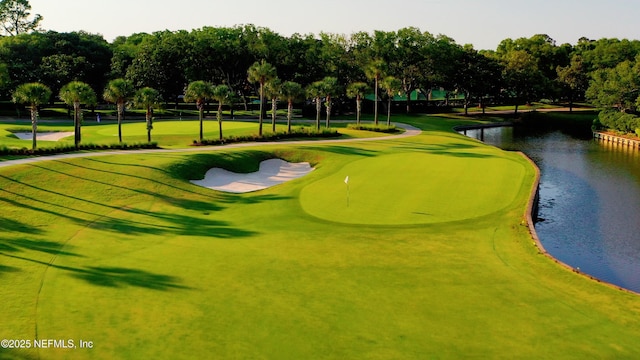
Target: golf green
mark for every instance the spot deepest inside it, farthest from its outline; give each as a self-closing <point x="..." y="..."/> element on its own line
<point x="414" y="188"/>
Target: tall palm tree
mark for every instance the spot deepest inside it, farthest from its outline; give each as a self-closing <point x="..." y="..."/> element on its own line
<point x="316" y="91"/>
<point x="358" y="90"/>
<point x="375" y="71"/>
<point x="330" y="87"/>
<point x="291" y="91"/>
<point x="148" y="99"/>
<point x="119" y="91"/>
<point x="272" y="91"/>
<point x="222" y="94"/>
<point x="261" y="72"/>
<point x="198" y="92"/>
<point x="391" y="86"/>
<point x="75" y="94"/>
<point x="34" y="94"/>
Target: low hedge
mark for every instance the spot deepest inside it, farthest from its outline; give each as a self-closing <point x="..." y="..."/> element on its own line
<point x="377" y="128"/>
<point x="296" y="133"/>
<point x="6" y="151"/>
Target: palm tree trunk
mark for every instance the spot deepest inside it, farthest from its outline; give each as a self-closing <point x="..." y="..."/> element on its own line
<point x="274" y="108"/>
<point x="389" y="112"/>
<point x="220" y="119"/>
<point x="120" y="111"/>
<point x="318" y="110"/>
<point x="201" y="117"/>
<point x="375" y="110"/>
<point x="289" y="115"/>
<point x="34" y="124"/>
<point x="328" y="107"/>
<point x="76" y="122"/>
<point x="358" y="109"/>
<point x="261" y="109"/>
<point x="149" y="125"/>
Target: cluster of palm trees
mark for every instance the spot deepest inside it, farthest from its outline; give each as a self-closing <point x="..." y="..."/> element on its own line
<point x="122" y="91"/>
<point x="273" y="88"/>
<point x="77" y="93"/>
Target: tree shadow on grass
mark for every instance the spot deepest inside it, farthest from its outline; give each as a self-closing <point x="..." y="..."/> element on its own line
<point x="154" y="223"/>
<point x="455" y="149"/>
<point x="8" y="269"/>
<point x="181" y="202"/>
<point x="344" y="150"/>
<point x="43" y="246"/>
<point x="115" y="277"/>
<point x="16" y="226"/>
<point x="172" y="224"/>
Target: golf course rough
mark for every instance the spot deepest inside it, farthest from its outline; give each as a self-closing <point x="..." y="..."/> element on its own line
<point x="123" y="251"/>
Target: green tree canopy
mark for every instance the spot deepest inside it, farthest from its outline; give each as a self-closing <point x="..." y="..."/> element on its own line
<point x="14" y="17"/>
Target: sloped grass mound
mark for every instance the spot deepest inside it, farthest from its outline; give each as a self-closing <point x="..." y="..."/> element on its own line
<point x="414" y="188"/>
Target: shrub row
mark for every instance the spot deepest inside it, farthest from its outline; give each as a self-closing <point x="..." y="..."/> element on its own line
<point x="6" y="151"/>
<point x="377" y="128"/>
<point x="296" y="133"/>
<point x="618" y="121"/>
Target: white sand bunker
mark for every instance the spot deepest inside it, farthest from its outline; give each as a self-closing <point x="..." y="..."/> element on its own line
<point x="46" y="136"/>
<point x="272" y="172"/>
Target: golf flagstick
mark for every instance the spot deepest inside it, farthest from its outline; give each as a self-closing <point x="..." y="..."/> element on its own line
<point x="346" y="181"/>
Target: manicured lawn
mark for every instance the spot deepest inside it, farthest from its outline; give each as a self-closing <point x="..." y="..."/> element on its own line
<point x="167" y="133"/>
<point x="430" y="259"/>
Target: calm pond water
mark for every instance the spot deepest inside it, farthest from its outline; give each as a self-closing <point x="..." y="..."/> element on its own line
<point x="589" y="213"/>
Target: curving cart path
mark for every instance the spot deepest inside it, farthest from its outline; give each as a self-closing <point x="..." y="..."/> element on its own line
<point x="409" y="131"/>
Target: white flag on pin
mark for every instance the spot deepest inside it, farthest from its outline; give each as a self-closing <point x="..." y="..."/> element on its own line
<point x="346" y="180"/>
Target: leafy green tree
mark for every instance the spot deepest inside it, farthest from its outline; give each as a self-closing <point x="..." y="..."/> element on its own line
<point x="119" y="91"/>
<point x="148" y="99"/>
<point x="291" y="92"/>
<point x="261" y="72"/>
<point x="375" y="71"/>
<point x="478" y="75"/>
<point x="358" y="90"/>
<point x="574" y="79"/>
<point x="616" y="88"/>
<point x="75" y="94"/>
<point x="272" y="91"/>
<point x="14" y="17"/>
<point x="34" y="94"/>
<point x="316" y="91"/>
<point x="56" y="59"/>
<point x="330" y="88"/>
<point x="391" y="86"/>
<point x="413" y="64"/>
<point x="222" y="94"/>
<point x="522" y="77"/>
<point x="161" y="62"/>
<point x="199" y="91"/>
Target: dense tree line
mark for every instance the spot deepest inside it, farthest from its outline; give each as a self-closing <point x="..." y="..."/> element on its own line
<point x="519" y="71"/>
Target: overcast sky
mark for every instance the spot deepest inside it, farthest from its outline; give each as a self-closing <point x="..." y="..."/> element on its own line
<point x="483" y="23"/>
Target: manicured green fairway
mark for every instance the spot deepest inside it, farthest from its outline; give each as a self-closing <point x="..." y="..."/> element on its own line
<point x="430" y="259"/>
<point x="167" y="133"/>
